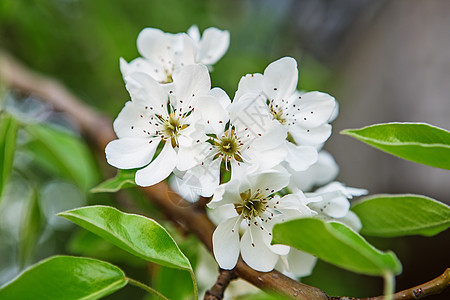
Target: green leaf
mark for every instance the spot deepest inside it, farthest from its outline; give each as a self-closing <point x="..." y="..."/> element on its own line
<point x="418" y="142"/>
<point x="86" y="243"/>
<point x="65" y="277"/>
<point x="62" y="154"/>
<point x="123" y="179"/>
<point x="136" y="234"/>
<point x="8" y="136"/>
<point x="337" y="244"/>
<point x="164" y="277"/>
<point x="31" y="228"/>
<point x="398" y="215"/>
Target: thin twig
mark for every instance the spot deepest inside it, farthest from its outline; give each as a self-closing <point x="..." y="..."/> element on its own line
<point x="99" y="132"/>
<point x="217" y="290"/>
<point x="432" y="287"/>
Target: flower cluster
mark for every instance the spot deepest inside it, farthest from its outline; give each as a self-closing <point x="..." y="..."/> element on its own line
<point x="257" y="156"/>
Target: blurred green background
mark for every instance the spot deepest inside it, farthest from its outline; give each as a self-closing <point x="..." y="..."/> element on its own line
<point x="383" y="62"/>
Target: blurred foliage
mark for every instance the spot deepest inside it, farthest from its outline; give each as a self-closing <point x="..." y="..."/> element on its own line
<point x="80" y="42"/>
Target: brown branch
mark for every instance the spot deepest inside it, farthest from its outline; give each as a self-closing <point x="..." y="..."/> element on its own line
<point x="99" y="132"/>
<point x="218" y="289"/>
<point x="432" y="287"/>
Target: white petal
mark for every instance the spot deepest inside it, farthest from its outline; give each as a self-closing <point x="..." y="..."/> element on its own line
<point x="351" y="220"/>
<point x="221" y="96"/>
<point x="154" y="44"/>
<point x="272" y="136"/>
<point x="255" y="252"/>
<point x="193" y="134"/>
<point x="221" y="213"/>
<point x="348" y="192"/>
<point x="320" y="173"/>
<point x="226" y="243"/>
<point x="194" y="33"/>
<point x="300" y="158"/>
<point x="129" y="122"/>
<point x="159" y="169"/>
<point x="190" y="82"/>
<point x="252" y="113"/>
<point x="227" y="193"/>
<point x="211" y="114"/>
<point x="326" y="168"/>
<point x="213" y="45"/>
<point x="333" y="204"/>
<point x="210" y="178"/>
<point x="184" y="188"/>
<point x="267" y="238"/>
<point x="280" y="79"/>
<point x="147" y="92"/>
<point x="301" y="264"/>
<point x="142" y="65"/>
<point x="249" y="84"/>
<point x="355" y="192"/>
<point x="335" y="112"/>
<point x="189" y="157"/>
<point x="313" y="136"/>
<point x="290" y="201"/>
<point x="130" y="153"/>
<point x="203" y="179"/>
<point x="184" y="51"/>
<point x="271" y="180"/>
<point x="316" y="109"/>
<point x="300" y="180"/>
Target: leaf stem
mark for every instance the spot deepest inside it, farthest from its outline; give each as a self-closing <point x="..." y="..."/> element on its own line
<point x="146" y="288"/>
<point x="389" y="285"/>
<point x="194" y="283"/>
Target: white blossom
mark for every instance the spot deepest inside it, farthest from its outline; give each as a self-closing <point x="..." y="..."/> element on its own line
<point x="159" y="115"/>
<point x="211" y="46"/>
<point x="251" y="142"/>
<point x="334" y="204"/>
<point x="304" y="115"/>
<point x="254" y="208"/>
<point x="163" y="53"/>
<point x="323" y="171"/>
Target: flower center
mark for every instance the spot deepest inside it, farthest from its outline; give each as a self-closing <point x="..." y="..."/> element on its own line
<point x="252" y="206"/>
<point x="171" y="128"/>
<point x="169" y="78"/>
<point x="277" y="114"/>
<point x="229" y="146"/>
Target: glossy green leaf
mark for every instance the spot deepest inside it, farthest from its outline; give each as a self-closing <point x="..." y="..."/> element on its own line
<point x="136" y="234"/>
<point x="418" y="142"/>
<point x="86" y="243"/>
<point x="62" y="154"/>
<point x="65" y="277"/>
<point x="164" y="277"/>
<point x="8" y="136"/>
<point x="398" y="215"/>
<point x="337" y="244"/>
<point x="123" y="179"/>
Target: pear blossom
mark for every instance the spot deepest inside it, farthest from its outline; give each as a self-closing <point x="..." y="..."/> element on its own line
<point x="254" y="207"/>
<point x="304" y="115"/>
<point x="163" y="53"/>
<point x="334" y="204"/>
<point x="251" y="142"/>
<point x="159" y="115"/>
<point x="211" y="46"/>
<point x="323" y="171"/>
